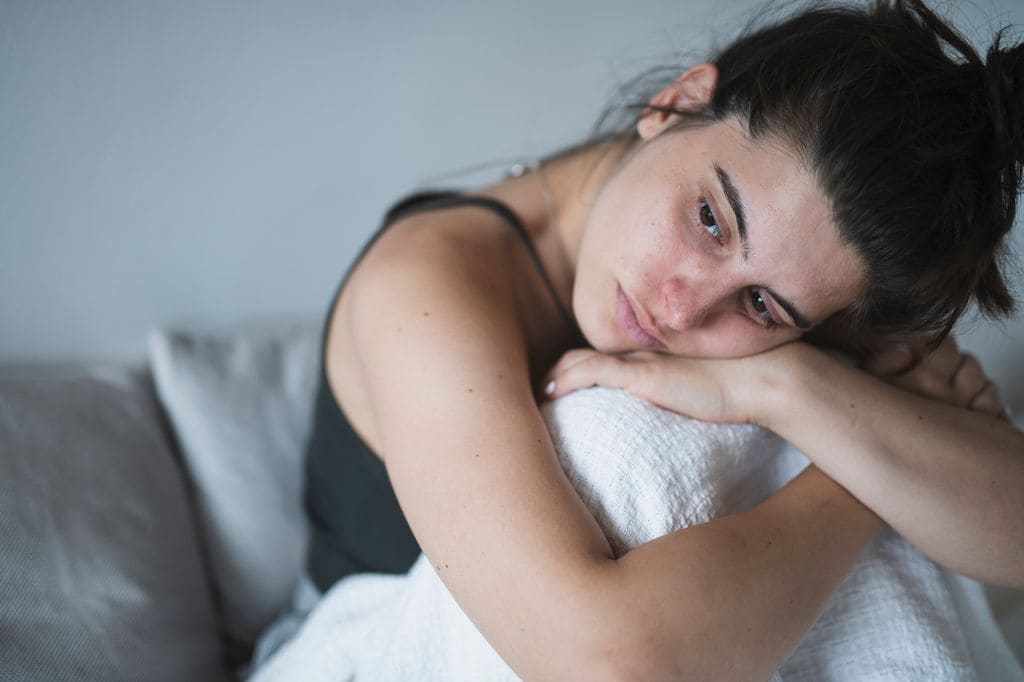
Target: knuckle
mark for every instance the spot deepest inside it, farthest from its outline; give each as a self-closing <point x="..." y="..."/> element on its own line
<point x="593" y="368"/>
<point x="574" y="356"/>
<point x="988" y="396"/>
<point x="971" y="379"/>
<point x="970" y="369"/>
<point x="988" y="406"/>
<point x="931" y="385"/>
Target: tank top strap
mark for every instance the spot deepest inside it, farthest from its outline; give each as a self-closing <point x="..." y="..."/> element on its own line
<point x="439" y="199"/>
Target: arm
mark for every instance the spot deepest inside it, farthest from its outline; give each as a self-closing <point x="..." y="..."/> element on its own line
<point x="474" y="469"/>
<point x="950" y="479"/>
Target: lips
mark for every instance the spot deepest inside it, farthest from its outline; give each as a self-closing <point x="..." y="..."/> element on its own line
<point x="635" y="324"/>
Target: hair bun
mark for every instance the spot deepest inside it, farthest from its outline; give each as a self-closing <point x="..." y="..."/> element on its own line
<point x="1004" y="87"/>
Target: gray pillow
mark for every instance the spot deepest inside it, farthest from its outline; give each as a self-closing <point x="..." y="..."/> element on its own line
<point x="240" y="403"/>
<point x="102" y="575"/>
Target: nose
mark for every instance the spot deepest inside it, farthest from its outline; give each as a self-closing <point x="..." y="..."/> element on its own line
<point x="685" y="305"/>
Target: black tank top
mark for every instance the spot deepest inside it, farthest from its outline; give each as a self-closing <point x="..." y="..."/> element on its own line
<point x="355" y="521"/>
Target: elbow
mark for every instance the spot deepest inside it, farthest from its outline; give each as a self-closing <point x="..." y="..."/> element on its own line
<point x="639" y="666"/>
<point x="644" y="655"/>
<point x="618" y="642"/>
<point x="608" y="650"/>
<point x="624" y="666"/>
<point x="616" y="639"/>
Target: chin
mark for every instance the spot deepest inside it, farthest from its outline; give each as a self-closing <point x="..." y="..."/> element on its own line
<point x="599" y="337"/>
<point x="611" y="342"/>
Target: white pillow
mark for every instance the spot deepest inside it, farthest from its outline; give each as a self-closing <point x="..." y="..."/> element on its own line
<point x="240" y="404"/>
<point x="644" y="471"/>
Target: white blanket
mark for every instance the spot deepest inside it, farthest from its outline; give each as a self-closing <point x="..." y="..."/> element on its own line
<point x="645" y="472"/>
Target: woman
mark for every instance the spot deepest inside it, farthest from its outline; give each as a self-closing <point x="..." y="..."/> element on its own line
<point x="837" y="176"/>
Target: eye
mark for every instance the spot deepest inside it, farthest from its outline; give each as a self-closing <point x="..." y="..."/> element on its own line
<point x="709" y="222"/>
<point x="760" y="307"/>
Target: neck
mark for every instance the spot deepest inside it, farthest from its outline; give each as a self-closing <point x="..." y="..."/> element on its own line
<point x="573" y="183"/>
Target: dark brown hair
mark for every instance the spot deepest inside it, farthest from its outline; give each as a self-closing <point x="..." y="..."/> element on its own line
<point x="916" y="141"/>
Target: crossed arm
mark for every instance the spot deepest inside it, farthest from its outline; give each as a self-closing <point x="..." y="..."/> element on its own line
<point x="943" y="470"/>
<point x="446" y="373"/>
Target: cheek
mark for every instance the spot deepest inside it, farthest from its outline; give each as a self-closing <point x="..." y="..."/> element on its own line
<point x="644" y="219"/>
<point x="590" y="282"/>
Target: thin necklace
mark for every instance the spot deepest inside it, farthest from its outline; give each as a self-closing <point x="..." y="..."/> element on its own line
<point x="536" y="166"/>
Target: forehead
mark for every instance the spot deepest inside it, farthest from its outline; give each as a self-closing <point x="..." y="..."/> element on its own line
<point x="795" y="248"/>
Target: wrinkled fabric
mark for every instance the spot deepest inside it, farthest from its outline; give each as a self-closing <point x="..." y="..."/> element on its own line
<point x="645" y="472"/>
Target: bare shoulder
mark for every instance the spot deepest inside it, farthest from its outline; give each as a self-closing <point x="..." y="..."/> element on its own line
<point x="435" y="289"/>
<point x="439" y="352"/>
<point x="451" y="265"/>
<point x="455" y="246"/>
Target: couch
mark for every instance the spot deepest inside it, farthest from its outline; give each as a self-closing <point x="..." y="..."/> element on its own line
<point x="150" y="516"/>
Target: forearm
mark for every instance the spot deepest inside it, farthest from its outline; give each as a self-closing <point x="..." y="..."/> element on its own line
<point x="731" y="599"/>
<point x="950" y="480"/>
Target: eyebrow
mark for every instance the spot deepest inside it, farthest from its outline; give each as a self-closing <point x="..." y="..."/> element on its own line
<point x="736" y="203"/>
<point x="799" y="319"/>
<point x="733" y="195"/>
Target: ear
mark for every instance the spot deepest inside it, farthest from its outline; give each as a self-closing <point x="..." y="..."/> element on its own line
<point x="692" y="91"/>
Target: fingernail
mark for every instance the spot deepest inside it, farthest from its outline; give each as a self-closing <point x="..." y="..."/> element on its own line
<point x="550" y="388"/>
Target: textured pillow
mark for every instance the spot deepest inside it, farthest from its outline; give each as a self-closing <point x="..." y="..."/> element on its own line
<point x="101" y="576"/>
<point x="643" y="471"/>
<point x="240" y="405"/>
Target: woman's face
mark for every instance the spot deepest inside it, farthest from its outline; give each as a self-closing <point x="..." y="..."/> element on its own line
<point x="706" y="244"/>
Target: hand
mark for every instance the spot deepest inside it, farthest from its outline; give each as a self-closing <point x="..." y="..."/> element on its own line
<point x="705" y="389"/>
<point x="946" y="375"/>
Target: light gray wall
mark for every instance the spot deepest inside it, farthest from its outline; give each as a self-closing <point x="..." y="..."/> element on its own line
<point x="200" y="164"/>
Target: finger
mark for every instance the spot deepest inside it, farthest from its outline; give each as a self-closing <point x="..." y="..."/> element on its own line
<point x="988" y="400"/>
<point x="595" y="370"/>
<point x="645" y="356"/>
<point x="927" y="384"/>
<point x="945" y="360"/>
<point x="569" y="358"/>
<point x="890" y="362"/>
<point x="968" y="381"/>
<point x="572" y="356"/>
